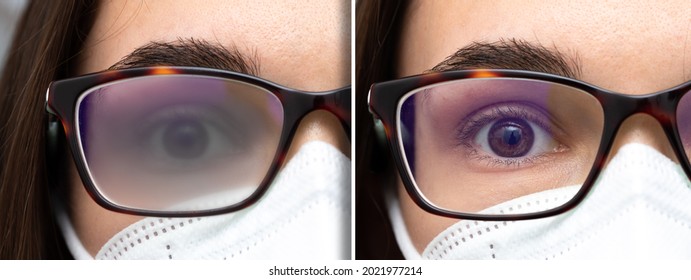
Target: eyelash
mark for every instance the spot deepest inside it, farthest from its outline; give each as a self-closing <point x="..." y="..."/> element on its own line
<point x="471" y="124"/>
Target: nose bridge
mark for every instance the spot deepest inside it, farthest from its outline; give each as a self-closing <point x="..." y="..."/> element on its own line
<point x="322" y="116"/>
<point x="658" y="105"/>
<point x="643" y="119"/>
<point x="319" y="125"/>
<point x="336" y="102"/>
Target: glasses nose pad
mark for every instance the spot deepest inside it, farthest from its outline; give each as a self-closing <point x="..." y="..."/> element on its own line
<point x="643" y="129"/>
<point x="319" y="125"/>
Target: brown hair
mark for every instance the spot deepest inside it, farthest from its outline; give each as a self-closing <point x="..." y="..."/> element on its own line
<point x="46" y="43"/>
<point x="377" y="30"/>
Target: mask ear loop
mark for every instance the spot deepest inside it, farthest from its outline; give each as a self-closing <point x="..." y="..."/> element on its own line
<point x="398" y="225"/>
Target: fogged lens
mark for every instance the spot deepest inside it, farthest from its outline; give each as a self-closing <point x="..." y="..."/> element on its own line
<point x="684" y="122"/>
<point x="477" y="143"/>
<point x="178" y="142"/>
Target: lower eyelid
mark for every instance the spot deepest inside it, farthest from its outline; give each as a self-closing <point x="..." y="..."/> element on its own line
<point x="491" y="161"/>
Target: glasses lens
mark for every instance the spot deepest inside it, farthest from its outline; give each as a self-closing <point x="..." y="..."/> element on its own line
<point x="499" y="145"/>
<point x="178" y="142"/>
<point x="684" y="122"/>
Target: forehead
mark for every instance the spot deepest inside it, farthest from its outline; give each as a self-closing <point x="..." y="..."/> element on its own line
<point x="312" y="36"/>
<point x="616" y="42"/>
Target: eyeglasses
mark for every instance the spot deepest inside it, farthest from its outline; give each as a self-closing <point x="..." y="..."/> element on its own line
<point x="158" y="141"/>
<point x="464" y="141"/>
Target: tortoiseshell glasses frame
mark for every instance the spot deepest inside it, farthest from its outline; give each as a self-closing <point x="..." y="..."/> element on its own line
<point x="63" y="97"/>
<point x="385" y="100"/>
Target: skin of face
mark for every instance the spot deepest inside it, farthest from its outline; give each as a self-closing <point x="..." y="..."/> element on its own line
<point x="631" y="47"/>
<point x="303" y="45"/>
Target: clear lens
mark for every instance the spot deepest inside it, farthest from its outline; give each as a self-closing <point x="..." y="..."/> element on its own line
<point x="476" y="143"/>
<point x="178" y="142"/>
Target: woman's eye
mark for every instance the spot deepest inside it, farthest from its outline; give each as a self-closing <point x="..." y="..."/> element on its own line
<point x="510" y="134"/>
<point x="509" y="137"/>
<point x="184" y="139"/>
<point x="514" y="138"/>
<point x="188" y="138"/>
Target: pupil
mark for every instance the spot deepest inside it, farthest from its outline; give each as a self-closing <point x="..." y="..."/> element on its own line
<point x="511" y="137"/>
<point x="185" y="139"/>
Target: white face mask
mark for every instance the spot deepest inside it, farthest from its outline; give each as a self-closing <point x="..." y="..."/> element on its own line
<point x="639" y="208"/>
<point x="305" y="214"/>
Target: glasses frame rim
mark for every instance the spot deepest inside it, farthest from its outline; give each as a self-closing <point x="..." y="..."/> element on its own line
<point x="384" y="102"/>
<point x="63" y="95"/>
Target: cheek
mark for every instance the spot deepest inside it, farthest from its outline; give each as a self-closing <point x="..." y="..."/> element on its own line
<point x="94" y="224"/>
<point x="422" y="226"/>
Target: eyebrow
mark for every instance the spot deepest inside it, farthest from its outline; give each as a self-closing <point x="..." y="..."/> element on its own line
<point x="190" y="52"/>
<point x="512" y="54"/>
